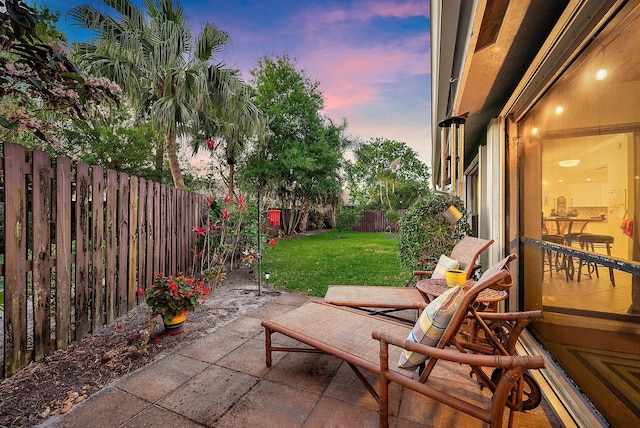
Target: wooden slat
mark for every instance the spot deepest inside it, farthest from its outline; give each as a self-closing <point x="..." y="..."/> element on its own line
<point x="133" y="242"/>
<point x="123" y="243"/>
<point x="173" y="228"/>
<point x="41" y="278"/>
<point x="112" y="245"/>
<point x="150" y="243"/>
<point x="163" y="231"/>
<point x="64" y="255"/>
<point x="82" y="231"/>
<point x="97" y="253"/>
<point x="157" y="229"/>
<point x="15" y="293"/>
<point x="142" y="232"/>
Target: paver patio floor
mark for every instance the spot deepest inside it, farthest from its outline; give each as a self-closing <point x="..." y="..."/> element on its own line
<point x="222" y="381"/>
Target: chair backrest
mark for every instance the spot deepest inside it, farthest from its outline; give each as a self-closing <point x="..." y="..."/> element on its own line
<point x="467" y="251"/>
<point x="498" y="277"/>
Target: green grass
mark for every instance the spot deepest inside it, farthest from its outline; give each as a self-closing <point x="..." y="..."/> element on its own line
<point x="309" y="264"/>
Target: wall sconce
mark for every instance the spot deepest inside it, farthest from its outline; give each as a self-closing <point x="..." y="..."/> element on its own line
<point x="452" y="215"/>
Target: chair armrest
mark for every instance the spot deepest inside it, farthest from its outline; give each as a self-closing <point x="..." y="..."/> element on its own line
<point x="498" y="361"/>
<point x="421" y="273"/>
<point x="511" y="316"/>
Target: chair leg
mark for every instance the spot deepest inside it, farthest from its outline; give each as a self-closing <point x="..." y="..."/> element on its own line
<point x="613" y="280"/>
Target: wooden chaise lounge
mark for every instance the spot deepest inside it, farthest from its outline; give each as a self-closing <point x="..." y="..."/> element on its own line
<point x="375" y="344"/>
<point x="385" y="300"/>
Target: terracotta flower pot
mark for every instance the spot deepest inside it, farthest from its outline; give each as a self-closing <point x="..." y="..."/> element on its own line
<point x="175" y="325"/>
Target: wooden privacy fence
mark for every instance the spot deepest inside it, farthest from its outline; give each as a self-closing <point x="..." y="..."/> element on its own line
<point x="78" y="242"/>
<point x="374" y="221"/>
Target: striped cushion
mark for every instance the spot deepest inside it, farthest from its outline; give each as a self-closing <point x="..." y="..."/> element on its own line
<point x="431" y="324"/>
<point x="444" y="264"/>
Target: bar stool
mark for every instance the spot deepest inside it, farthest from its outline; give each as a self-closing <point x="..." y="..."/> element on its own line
<point x="552" y="258"/>
<point x="588" y="242"/>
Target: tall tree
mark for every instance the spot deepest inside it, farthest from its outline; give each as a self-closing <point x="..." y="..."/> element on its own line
<point x="386" y="174"/>
<point x="300" y="157"/>
<point x="166" y="73"/>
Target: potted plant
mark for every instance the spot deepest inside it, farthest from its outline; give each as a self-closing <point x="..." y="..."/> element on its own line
<point x="172" y="297"/>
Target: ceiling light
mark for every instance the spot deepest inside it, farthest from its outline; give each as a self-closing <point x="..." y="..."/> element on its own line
<point x="559" y="110"/>
<point x="569" y="163"/>
<point x="601" y="74"/>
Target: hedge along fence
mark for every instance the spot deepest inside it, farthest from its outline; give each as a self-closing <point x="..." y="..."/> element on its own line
<point x="77" y="244"/>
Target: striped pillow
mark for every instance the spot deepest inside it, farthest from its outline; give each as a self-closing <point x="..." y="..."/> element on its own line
<point x="444" y="264"/>
<point x="431" y="324"/>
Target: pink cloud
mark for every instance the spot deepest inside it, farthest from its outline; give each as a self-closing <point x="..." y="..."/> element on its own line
<point x="366" y="10"/>
<point x="349" y="75"/>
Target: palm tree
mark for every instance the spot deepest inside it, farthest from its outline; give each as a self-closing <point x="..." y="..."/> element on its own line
<point x="167" y="76"/>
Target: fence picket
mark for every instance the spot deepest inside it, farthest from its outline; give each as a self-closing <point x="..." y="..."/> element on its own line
<point x="97" y="248"/>
<point x="41" y="254"/>
<point x="111" y="248"/>
<point x="150" y="244"/>
<point x="64" y="255"/>
<point x="82" y="232"/>
<point x="15" y="293"/>
<point x="142" y="231"/>
<point x="133" y="241"/>
<point x="123" y="240"/>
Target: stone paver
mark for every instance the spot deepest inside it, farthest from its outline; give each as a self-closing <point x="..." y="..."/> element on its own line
<point x="212" y="347"/>
<point x="157" y="380"/>
<point x="108" y="408"/>
<point x="271" y="405"/>
<point x="246" y="327"/>
<point x="209" y="395"/>
<point x="305" y="372"/>
<point x="154" y="417"/>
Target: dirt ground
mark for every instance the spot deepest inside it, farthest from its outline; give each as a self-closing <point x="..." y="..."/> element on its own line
<point x="70" y="375"/>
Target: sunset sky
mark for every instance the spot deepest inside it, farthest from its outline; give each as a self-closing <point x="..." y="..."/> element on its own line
<point x="371" y="57"/>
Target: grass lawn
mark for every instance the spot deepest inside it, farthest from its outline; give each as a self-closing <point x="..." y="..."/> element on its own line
<point x="309" y="264"/>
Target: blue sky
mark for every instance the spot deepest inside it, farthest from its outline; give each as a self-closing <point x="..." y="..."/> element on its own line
<point x="371" y="57"/>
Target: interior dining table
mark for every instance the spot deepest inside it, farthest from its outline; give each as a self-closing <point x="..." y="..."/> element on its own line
<point x="564" y="225"/>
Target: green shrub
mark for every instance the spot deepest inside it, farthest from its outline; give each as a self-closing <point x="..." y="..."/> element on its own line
<point x="346" y="218"/>
<point x="393" y="217"/>
<point x="425" y="234"/>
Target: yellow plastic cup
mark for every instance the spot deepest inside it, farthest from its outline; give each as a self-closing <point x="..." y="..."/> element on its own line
<point x="455" y="277"/>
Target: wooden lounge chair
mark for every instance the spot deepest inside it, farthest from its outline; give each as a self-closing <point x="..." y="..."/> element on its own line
<point x="349" y="335"/>
<point x="386" y="300"/>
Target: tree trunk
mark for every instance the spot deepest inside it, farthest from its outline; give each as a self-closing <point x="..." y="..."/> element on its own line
<point x="159" y="155"/>
<point x="305" y="214"/>
<point x="232" y="170"/>
<point x="172" y="154"/>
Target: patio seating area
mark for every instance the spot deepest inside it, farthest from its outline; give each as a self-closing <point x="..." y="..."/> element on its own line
<point x="222" y="381"/>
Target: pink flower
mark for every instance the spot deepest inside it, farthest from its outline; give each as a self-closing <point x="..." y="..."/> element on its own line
<point x="199" y="230"/>
<point x="211" y="144"/>
<point x="213" y="226"/>
<point x="226" y="198"/>
<point x="241" y="205"/>
<point x="201" y="252"/>
<point x="272" y="242"/>
<point x="140" y="292"/>
<point x="226" y="214"/>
